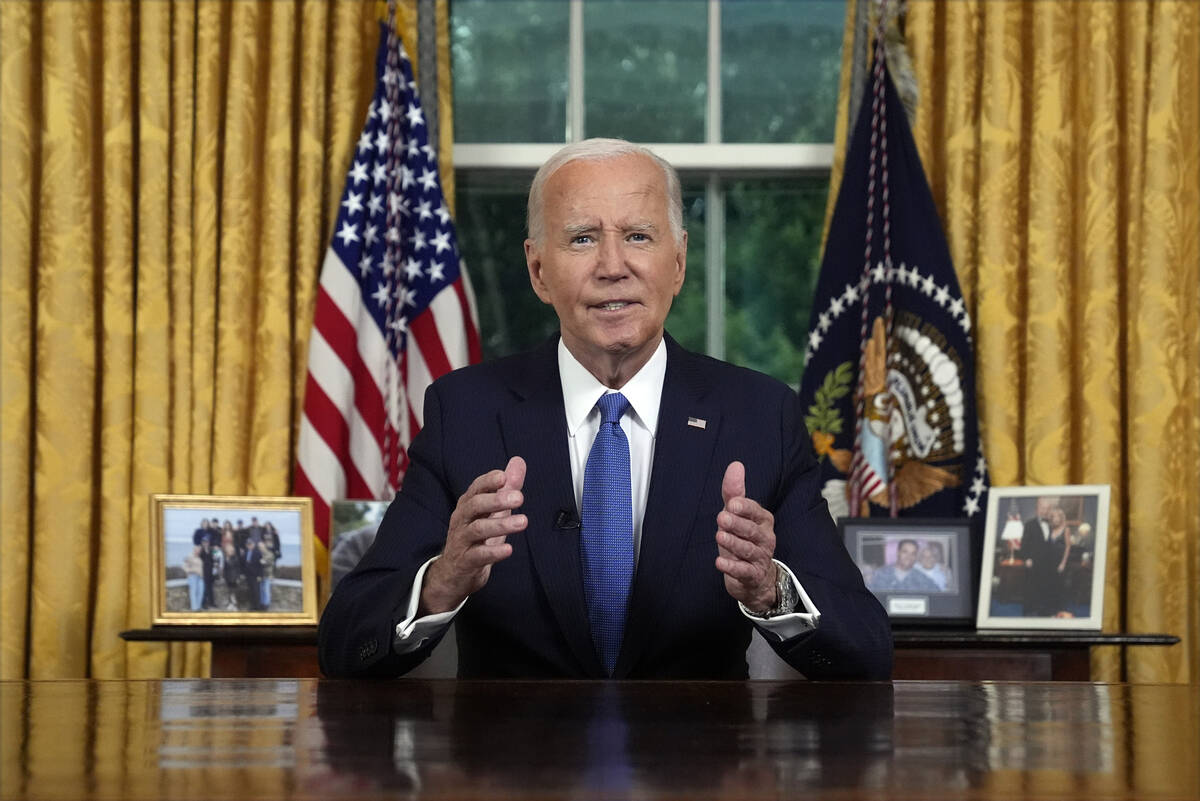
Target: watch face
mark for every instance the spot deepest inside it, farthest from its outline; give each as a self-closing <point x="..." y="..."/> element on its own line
<point x="787" y="594"/>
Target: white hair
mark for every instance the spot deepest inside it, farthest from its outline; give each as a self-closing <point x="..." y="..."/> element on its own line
<point x="598" y="150"/>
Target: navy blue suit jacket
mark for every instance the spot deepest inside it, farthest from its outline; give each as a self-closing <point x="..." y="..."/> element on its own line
<point x="530" y="619"/>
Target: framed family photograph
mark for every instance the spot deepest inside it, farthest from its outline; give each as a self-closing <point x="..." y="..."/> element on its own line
<point x="232" y="560"/>
<point x="920" y="570"/>
<point x="1044" y="557"/>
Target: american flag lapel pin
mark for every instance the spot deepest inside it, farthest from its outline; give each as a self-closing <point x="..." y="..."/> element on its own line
<point x="697" y="422"/>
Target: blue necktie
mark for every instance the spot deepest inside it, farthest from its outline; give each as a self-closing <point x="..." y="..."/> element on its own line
<point x="606" y="538"/>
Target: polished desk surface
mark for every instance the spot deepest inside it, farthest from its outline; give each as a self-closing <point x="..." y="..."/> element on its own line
<point x="312" y="739"/>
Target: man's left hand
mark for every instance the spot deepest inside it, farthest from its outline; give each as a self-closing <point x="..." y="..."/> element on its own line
<point x="746" y="544"/>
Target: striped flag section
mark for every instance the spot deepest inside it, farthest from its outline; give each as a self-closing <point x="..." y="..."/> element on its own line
<point x="394" y="307"/>
<point x="864" y="477"/>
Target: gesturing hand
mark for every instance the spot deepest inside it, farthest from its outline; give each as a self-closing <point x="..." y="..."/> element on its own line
<point x="745" y="544"/>
<point x="476" y="539"/>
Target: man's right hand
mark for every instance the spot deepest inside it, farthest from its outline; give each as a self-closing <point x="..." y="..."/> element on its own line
<point x="479" y="527"/>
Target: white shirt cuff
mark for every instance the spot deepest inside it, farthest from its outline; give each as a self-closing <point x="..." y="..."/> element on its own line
<point x="412" y="632"/>
<point x="787" y="626"/>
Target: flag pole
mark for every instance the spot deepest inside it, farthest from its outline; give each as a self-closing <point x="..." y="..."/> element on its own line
<point x="394" y="403"/>
<point x="877" y="176"/>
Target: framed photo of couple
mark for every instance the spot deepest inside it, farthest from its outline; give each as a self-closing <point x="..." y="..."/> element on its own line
<point x="1044" y="558"/>
<point x="231" y="561"/>
<point x="920" y="570"/>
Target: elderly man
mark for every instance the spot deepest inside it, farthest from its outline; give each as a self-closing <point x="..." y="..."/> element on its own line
<point x="1040" y="561"/>
<point x="609" y="505"/>
<point x="1048" y="596"/>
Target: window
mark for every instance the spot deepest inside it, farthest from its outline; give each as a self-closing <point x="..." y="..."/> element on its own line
<point x="739" y="95"/>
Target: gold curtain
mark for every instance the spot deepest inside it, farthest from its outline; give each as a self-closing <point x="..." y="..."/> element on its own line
<point x="170" y="177"/>
<point x="1060" y="143"/>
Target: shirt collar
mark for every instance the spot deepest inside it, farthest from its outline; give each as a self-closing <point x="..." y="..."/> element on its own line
<point x="581" y="389"/>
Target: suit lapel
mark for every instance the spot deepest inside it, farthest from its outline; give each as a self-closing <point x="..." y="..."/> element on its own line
<point x="536" y="429"/>
<point x="682" y="464"/>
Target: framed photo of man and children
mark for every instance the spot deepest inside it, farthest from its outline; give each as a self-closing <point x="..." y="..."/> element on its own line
<point x="1044" y="558"/>
<point x="232" y="560"/>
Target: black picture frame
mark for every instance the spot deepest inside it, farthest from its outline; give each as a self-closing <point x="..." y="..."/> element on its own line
<point x="938" y="589"/>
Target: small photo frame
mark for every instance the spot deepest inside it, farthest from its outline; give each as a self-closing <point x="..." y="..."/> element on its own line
<point x="920" y="570"/>
<point x="352" y="525"/>
<point x="1044" y="558"/>
<point x="232" y="561"/>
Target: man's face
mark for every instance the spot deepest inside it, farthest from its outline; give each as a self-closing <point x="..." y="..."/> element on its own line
<point x="608" y="262"/>
<point x="1044" y="505"/>
<point x="928" y="559"/>
<point x="906" y="554"/>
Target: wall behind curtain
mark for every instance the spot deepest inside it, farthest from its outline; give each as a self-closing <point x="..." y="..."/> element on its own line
<point x="1060" y="144"/>
<point x="170" y="173"/>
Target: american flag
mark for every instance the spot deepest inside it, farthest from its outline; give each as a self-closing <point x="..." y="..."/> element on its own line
<point x="394" y="308"/>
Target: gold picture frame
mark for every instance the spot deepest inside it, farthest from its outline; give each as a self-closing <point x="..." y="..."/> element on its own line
<point x="255" y="567"/>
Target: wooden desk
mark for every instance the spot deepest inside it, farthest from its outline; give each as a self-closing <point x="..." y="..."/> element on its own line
<point x="920" y="653"/>
<point x="444" y="739"/>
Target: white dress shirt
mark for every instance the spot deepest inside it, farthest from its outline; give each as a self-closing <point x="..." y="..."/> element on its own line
<point x="581" y="393"/>
<point x="581" y="390"/>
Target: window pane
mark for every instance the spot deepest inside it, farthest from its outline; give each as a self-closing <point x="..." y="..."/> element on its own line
<point x="772" y="255"/>
<point x="510" y="70"/>
<point x="779" y="69"/>
<point x="645" y="69"/>
<point x="491" y="230"/>
<point x="688" y="319"/>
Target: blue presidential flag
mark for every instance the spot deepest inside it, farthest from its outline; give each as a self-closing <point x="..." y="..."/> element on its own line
<point x="889" y="379"/>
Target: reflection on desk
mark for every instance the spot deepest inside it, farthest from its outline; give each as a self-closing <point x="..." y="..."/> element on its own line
<point x="453" y="739"/>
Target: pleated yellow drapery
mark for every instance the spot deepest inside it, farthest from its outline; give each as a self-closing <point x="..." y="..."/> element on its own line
<point x="170" y="176"/>
<point x="1060" y="143"/>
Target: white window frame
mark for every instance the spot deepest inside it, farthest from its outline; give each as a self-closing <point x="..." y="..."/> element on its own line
<point x="711" y="160"/>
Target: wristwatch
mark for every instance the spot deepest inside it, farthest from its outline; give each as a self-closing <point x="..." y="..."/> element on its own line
<point x="785" y="595"/>
<point x="785" y="590"/>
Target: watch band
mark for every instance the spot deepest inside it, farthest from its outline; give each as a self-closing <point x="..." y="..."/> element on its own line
<point x="785" y="595"/>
